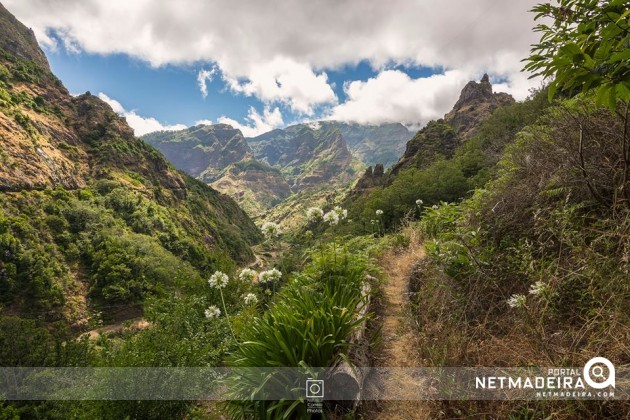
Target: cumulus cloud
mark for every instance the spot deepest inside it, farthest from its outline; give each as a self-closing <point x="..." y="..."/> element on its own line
<point x="203" y="77"/>
<point x="256" y="124"/>
<point x="140" y="125"/>
<point x="393" y="96"/>
<point x="281" y="51"/>
<point x="284" y="80"/>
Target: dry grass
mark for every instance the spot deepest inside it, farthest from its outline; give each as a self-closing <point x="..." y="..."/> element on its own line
<point x="398" y="340"/>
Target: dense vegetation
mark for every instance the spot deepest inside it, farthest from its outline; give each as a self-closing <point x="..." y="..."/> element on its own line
<point x="445" y="171"/>
<point x="525" y="226"/>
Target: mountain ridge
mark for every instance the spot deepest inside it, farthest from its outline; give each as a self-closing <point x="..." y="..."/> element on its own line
<point x="91" y="215"/>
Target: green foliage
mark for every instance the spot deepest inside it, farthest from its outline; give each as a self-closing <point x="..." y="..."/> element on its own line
<point x="307" y="325"/>
<point x="586" y="47"/>
<point x="434" y="179"/>
<point x="538" y="226"/>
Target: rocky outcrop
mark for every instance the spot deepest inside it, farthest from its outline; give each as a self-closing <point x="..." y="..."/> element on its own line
<point x="476" y="102"/>
<point x="440" y="138"/>
<point x="19" y="41"/>
<point x="371" y="178"/>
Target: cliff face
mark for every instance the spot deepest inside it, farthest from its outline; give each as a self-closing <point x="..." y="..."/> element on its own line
<point x="308" y="155"/>
<point x="476" y="102"/>
<point x="203" y="151"/>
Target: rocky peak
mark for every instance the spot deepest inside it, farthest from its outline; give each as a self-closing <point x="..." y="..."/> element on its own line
<point x="19" y="40"/>
<point x="475" y="92"/>
<point x="476" y="102"/>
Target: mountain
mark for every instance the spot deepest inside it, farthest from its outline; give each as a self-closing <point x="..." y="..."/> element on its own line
<point x="202" y="151"/>
<point x="262" y="172"/>
<point x="373" y="144"/>
<point x="219" y="155"/>
<point x="91" y="216"/>
<point x="309" y="155"/>
<point x="445" y="160"/>
<point x="440" y="138"/>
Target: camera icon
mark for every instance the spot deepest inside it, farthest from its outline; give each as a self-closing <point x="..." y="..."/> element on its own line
<point x="314" y="388"/>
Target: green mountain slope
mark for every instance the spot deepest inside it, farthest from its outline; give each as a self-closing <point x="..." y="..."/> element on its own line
<point x="90" y="215"/>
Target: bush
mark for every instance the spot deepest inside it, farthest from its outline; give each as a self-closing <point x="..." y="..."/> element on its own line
<point x="307" y="326"/>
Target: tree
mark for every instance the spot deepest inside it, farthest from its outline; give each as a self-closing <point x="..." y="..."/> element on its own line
<point x="586" y="46"/>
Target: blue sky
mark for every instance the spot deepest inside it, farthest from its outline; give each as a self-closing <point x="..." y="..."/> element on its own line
<point x="171" y="93"/>
<point x="275" y="63"/>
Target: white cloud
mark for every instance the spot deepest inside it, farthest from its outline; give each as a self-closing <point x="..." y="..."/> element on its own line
<point x="392" y="96"/>
<point x="283" y="80"/>
<point x="256" y="124"/>
<point x="203" y="122"/>
<point x="140" y="125"/>
<point x="280" y="51"/>
<point x="203" y="77"/>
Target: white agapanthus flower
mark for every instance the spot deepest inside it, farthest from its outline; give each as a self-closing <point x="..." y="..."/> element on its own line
<point x="218" y="280"/>
<point x="379" y="212"/>
<point x="539" y="288"/>
<point x="372" y="221"/>
<point x="270" y="230"/>
<point x="435" y="207"/>
<point x="343" y="213"/>
<point x="313" y="214"/>
<point x="419" y="202"/>
<point x="517" y="301"/>
<point x="332" y="218"/>
<point x="269" y="276"/>
<point x="248" y="275"/>
<point x="212" y="312"/>
<point x="250" y="298"/>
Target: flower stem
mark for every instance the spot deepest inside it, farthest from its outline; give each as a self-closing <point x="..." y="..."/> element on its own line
<point x="227" y="316"/>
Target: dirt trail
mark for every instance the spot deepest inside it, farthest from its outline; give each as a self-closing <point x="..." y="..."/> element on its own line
<point x="135" y="324"/>
<point x="399" y="345"/>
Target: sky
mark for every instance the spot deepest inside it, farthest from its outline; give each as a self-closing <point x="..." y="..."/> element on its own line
<point x="260" y="65"/>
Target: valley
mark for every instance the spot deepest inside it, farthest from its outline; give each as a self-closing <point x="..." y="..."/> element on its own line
<point x="495" y="236"/>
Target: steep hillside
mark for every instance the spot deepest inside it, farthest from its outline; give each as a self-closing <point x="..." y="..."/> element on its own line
<point x="308" y="155"/>
<point x="441" y="163"/>
<point x="373" y="144"/>
<point x="202" y="151"/>
<point x="89" y="214"/>
<point x="440" y="138"/>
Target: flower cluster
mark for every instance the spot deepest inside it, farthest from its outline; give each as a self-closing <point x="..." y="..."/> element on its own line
<point x="332" y="218"/>
<point x="539" y="288"/>
<point x="419" y="202"/>
<point x="343" y="213"/>
<point x="218" y="280"/>
<point x="269" y="276"/>
<point x="517" y="301"/>
<point x="250" y="298"/>
<point x="212" y="312"/>
<point x="248" y="275"/>
<point x="379" y="212"/>
<point x="270" y="230"/>
<point x="313" y="214"/>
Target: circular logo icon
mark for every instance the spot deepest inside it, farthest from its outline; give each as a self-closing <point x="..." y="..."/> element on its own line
<point x="594" y="369"/>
